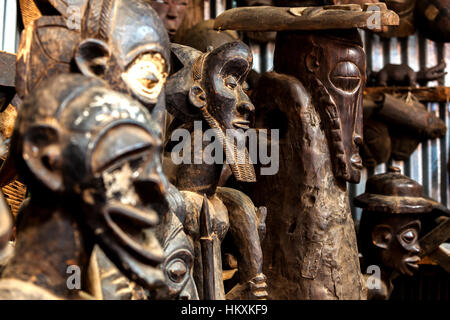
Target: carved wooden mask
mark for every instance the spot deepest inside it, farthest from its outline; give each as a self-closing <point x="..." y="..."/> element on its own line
<point x="213" y="83"/>
<point x="98" y="149"/>
<point x="393" y="240"/>
<point x="332" y="66"/>
<point x="179" y="261"/>
<point x="171" y="13"/>
<point x="125" y="43"/>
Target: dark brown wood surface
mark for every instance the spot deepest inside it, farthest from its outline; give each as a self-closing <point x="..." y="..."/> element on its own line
<point x="268" y="18"/>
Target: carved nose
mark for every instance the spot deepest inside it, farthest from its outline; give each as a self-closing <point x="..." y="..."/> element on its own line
<point x="246" y="107"/>
<point x="358" y="140"/>
<point x="151" y="188"/>
<point x="172" y="13"/>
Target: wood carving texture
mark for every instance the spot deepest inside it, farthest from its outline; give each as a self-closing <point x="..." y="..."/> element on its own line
<point x="309" y="251"/>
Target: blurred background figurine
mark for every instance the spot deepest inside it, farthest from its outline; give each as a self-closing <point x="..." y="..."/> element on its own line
<point x="394" y="127"/>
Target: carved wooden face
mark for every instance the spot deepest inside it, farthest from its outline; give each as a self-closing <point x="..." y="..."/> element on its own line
<point x="102" y="148"/>
<point x="178" y="264"/>
<point x="171" y="13"/>
<point x="224" y="73"/>
<point x="397" y="238"/>
<point x="129" y="48"/>
<point x="343" y="72"/>
<point x="331" y="65"/>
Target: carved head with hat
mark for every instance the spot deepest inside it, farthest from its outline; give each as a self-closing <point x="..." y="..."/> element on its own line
<point x="390" y="224"/>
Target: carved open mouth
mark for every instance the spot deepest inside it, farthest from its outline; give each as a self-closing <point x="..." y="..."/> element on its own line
<point x="128" y="225"/>
<point x="241" y="124"/>
<point x="356" y="162"/>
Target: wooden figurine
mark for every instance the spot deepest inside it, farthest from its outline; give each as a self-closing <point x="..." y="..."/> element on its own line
<point x="393" y="207"/>
<point x="395" y="127"/>
<point x="207" y="93"/>
<point x="314" y="99"/>
<point x="89" y="156"/>
<point x="403" y="75"/>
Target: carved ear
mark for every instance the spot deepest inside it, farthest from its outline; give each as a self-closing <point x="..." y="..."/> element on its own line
<point x="382" y="235"/>
<point x="313" y="59"/>
<point x="197" y="96"/>
<point x="91" y="57"/>
<point x="42" y="154"/>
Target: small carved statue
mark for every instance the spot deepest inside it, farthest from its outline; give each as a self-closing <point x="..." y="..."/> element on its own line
<point x="403" y="75"/>
<point x="207" y="93"/>
<point x="314" y="98"/>
<point x="393" y="207"/>
<point x="89" y="156"/>
<point x="394" y="128"/>
<point x="307" y="100"/>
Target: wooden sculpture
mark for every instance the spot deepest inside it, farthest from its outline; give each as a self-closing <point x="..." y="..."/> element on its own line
<point x="137" y="66"/>
<point x="394" y="128"/>
<point x="89" y="156"/>
<point x="393" y="207"/>
<point x="403" y="75"/>
<point x="207" y="91"/>
<point x="314" y="99"/>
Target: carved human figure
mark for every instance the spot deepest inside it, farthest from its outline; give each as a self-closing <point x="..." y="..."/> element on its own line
<point x="90" y="158"/>
<point x="171" y="13"/>
<point x="393" y="207"/>
<point x="207" y="93"/>
<point x="314" y="99"/>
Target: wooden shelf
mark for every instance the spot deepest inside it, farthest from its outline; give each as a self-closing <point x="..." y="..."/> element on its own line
<point x="424" y="94"/>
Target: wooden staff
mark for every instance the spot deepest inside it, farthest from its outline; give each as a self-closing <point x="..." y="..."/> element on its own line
<point x="206" y="242"/>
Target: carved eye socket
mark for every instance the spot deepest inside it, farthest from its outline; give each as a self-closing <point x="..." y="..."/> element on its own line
<point x="409" y="235"/>
<point x="147" y="75"/>
<point x="346" y="76"/>
<point x="231" y="82"/>
<point x="177" y="270"/>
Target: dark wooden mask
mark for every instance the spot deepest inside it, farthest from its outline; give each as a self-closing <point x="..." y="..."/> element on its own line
<point x="332" y="65"/>
<point x="210" y="87"/>
<point x="125" y="44"/>
<point x="171" y="13"/>
<point x="76" y="139"/>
